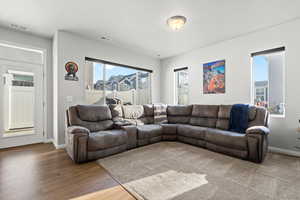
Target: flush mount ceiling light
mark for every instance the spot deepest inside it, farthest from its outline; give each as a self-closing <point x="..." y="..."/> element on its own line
<point x="176" y="22"/>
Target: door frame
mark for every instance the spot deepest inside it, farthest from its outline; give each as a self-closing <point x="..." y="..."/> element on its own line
<point x="44" y="82"/>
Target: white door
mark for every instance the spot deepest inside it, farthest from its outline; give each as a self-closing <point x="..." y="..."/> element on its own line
<point x="21" y="103"/>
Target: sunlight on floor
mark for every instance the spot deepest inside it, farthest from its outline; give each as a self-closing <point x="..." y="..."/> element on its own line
<point x="167" y="185"/>
<point x="113" y="193"/>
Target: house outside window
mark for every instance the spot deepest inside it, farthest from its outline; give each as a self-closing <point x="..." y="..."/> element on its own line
<point x="261" y="92"/>
<point x="116" y="84"/>
<point x="181" y="86"/>
<point x="268" y="80"/>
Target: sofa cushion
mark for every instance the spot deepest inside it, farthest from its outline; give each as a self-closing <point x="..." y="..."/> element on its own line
<point x="133" y="111"/>
<point x="261" y="117"/>
<point x="97" y="126"/>
<point x="169" y="129"/>
<point x="106" y="139"/>
<point x="252" y="112"/>
<point x="223" y="117"/>
<point x="149" y="131"/>
<point x="93" y="113"/>
<point x="116" y="110"/>
<point x="179" y="110"/>
<point x="74" y="120"/>
<point x="148" y="110"/>
<point x="204" y="122"/>
<point x="222" y="124"/>
<point x="140" y="121"/>
<point x="204" y="115"/>
<point x="191" y="131"/>
<point x="226" y="138"/>
<point x="178" y="119"/>
<point x="224" y="111"/>
<point x="160" y="113"/>
<point x="179" y="114"/>
<point x="207" y="111"/>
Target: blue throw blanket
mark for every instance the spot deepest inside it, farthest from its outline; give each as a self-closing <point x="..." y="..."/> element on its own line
<point x="239" y="115"/>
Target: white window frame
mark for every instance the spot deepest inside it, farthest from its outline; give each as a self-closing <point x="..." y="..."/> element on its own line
<point x="176" y="74"/>
<point x="138" y="70"/>
<point x="253" y="92"/>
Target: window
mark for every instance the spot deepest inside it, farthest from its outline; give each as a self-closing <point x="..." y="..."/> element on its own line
<point x="268" y="80"/>
<point x="109" y="83"/>
<point x="182" y="86"/>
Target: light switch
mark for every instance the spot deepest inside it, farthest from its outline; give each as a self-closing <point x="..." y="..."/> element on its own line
<point x="69" y="99"/>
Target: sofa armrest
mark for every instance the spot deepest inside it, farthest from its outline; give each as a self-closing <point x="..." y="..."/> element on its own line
<point x="132" y="136"/>
<point x="76" y="143"/>
<point x="257" y="138"/>
<point x="78" y="130"/>
<point x="262" y="130"/>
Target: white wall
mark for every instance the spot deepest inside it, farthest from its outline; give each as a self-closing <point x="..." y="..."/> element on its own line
<point x="70" y="47"/>
<point x="237" y="52"/>
<point x="12" y="37"/>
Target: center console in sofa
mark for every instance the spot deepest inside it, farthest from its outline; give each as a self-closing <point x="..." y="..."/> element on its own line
<point x="94" y="131"/>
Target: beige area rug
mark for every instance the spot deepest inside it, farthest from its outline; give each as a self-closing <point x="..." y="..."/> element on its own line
<point x="171" y="170"/>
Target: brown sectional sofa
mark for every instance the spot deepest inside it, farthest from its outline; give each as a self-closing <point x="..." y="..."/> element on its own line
<point x="97" y="131"/>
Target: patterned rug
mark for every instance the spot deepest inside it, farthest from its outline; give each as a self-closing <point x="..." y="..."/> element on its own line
<point x="176" y="171"/>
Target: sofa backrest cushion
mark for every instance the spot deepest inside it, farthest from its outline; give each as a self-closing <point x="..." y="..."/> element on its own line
<point x="223" y="117"/>
<point x="257" y="116"/>
<point x="116" y="111"/>
<point x="252" y="112"/>
<point x="148" y="110"/>
<point x="179" y="114"/>
<point x="104" y="122"/>
<point x="148" y="114"/>
<point x="160" y="113"/>
<point x="94" y="113"/>
<point x="133" y="111"/>
<point x="205" y="115"/>
<point x="138" y="114"/>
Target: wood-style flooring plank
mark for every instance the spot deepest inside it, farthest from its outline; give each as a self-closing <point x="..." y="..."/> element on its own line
<point x="41" y="172"/>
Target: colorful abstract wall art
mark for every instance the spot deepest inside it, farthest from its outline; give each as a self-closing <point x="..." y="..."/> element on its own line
<point x="214" y="77"/>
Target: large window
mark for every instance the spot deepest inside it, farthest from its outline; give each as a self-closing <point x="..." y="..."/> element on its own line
<point x="181" y="86"/>
<point x="268" y="80"/>
<point x="108" y="83"/>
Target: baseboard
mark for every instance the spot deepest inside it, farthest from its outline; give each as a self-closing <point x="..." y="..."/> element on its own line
<point x="46" y="140"/>
<point x="284" y="151"/>
<point x="59" y="146"/>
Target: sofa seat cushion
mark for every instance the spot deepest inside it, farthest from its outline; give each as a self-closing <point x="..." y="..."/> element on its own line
<point x="226" y="138"/>
<point x="149" y="131"/>
<point x="191" y="131"/>
<point x="106" y="139"/>
<point x="169" y="129"/>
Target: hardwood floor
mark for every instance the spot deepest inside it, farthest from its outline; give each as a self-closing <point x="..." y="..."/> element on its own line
<point x="39" y="171"/>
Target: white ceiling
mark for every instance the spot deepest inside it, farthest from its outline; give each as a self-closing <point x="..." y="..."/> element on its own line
<point x="140" y="25"/>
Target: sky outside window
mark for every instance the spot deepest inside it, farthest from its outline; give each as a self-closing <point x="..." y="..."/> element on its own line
<point x="260" y="68"/>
